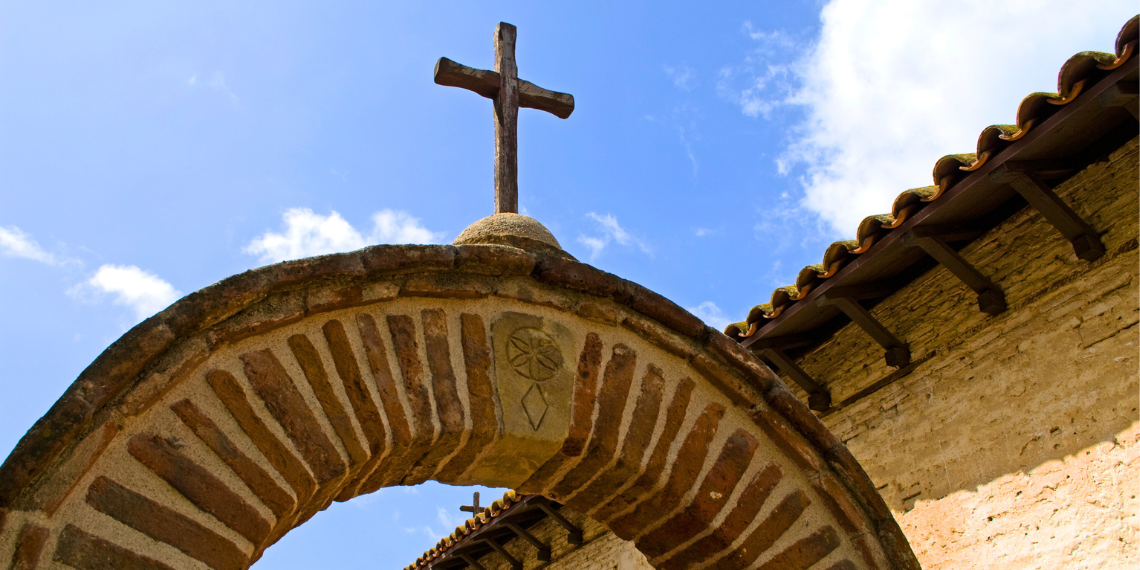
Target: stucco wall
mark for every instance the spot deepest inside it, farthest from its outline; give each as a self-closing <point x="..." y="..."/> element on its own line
<point x="1013" y="442"/>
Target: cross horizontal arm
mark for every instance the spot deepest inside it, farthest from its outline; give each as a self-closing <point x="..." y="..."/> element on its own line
<point x="486" y="83"/>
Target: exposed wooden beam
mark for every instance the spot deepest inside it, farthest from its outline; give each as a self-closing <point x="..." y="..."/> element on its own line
<point x="1086" y="242"/>
<point x="471" y="562"/>
<point x="819" y="398"/>
<point x="897" y="353"/>
<point x="991" y="300"/>
<point x="1121" y="94"/>
<point x="514" y="562"/>
<point x="575" y="534"/>
<point x="543" y="548"/>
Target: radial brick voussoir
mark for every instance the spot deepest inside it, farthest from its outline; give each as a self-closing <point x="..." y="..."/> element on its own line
<point x="275" y="393"/>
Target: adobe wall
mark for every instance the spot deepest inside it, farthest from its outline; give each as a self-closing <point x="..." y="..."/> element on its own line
<point x="600" y="548"/>
<point x="1013" y="441"/>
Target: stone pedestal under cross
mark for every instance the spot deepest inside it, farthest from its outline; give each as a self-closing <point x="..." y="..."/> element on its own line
<point x="504" y="87"/>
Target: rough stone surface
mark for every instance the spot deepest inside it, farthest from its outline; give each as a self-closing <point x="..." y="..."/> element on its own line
<point x="515" y="230"/>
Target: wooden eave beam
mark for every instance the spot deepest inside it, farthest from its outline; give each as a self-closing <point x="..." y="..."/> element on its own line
<point x="819" y="397"/>
<point x="991" y="299"/>
<point x="896" y="354"/>
<point x="471" y="562"/>
<point x="1118" y="85"/>
<point x="511" y="560"/>
<point x="1121" y="94"/>
<point x="543" y="548"/>
<point x="574" y="533"/>
<point x="1086" y="242"/>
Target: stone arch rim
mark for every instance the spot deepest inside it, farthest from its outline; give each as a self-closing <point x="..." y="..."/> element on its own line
<point x="123" y="365"/>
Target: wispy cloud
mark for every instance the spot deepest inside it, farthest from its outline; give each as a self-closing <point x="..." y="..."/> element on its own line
<point x="711" y="314"/>
<point x="611" y="232"/>
<point x="683" y="76"/>
<point x="216" y="81"/>
<point x="765" y="79"/>
<point x="141" y="291"/>
<point x="881" y="108"/>
<point x="307" y="234"/>
<point x="15" y="242"/>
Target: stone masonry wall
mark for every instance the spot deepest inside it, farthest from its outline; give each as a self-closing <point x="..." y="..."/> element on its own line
<point x="1013" y="440"/>
<point x="600" y="549"/>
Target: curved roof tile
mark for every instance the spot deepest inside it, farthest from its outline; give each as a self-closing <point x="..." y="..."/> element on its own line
<point x="1081" y="69"/>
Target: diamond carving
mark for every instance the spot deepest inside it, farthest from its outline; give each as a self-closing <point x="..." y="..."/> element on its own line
<point x="535" y="406"/>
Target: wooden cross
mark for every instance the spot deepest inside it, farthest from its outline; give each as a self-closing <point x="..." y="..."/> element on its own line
<point x="474" y="508"/>
<point x="504" y="87"/>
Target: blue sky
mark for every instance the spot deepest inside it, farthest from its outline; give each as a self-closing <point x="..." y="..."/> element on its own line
<point x="148" y="149"/>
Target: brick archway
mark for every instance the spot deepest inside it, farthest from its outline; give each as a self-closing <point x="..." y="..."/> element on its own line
<point x="212" y="429"/>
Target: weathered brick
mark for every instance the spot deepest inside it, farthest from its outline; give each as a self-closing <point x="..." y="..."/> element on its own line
<point x="331" y="299"/>
<point x="257" y="479"/>
<point x="233" y="396"/>
<point x="597" y="312"/>
<point x="446" y="286"/>
<point x="402" y="441"/>
<point x="663" y="311"/>
<point x="563" y="272"/>
<point x="494" y="260"/>
<point x="751" y="500"/>
<point x="164" y="525"/>
<point x="482" y="395"/>
<point x="286" y="405"/>
<point x="742" y="359"/>
<point x="658" y="336"/>
<point x="729" y="385"/>
<point x="785" y="438"/>
<point x="585" y="394"/>
<point x="314" y="370"/>
<point x="834" y="496"/>
<point x="29" y="546"/>
<point x="581" y="416"/>
<point x="805" y="552"/>
<point x="682" y="476"/>
<point x="449" y="409"/>
<point x="403" y="331"/>
<point x="330" y="267"/>
<point x="633" y="448"/>
<point x="359" y="397"/>
<point x="674" y="417"/>
<point x="766" y="533"/>
<point x="271" y="313"/>
<point x="389" y="259"/>
<point x="199" y="486"/>
<point x="616" y="382"/>
<point x="712" y="496"/>
<point x="84" y="551"/>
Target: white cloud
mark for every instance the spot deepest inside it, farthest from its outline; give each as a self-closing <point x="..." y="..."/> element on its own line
<point x="893" y="85"/>
<point x="142" y="291"/>
<point x="683" y="76"/>
<point x="217" y="82"/>
<point x="307" y="234"/>
<point x="15" y="242"/>
<point x="711" y="314"/>
<point x="611" y="232"/>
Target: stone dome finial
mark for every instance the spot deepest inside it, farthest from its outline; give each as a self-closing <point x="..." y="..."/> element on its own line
<point x="516" y="230"/>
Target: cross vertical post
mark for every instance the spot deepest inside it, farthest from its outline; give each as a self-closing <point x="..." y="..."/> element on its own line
<point x="506" y="121"/>
<point x="508" y="93"/>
